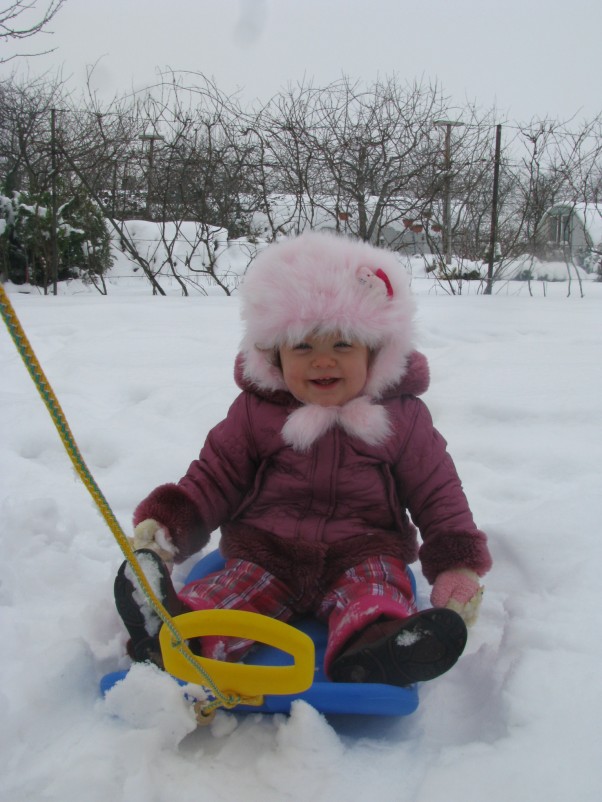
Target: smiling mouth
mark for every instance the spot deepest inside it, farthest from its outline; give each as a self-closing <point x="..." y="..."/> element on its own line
<point x="324" y="382"/>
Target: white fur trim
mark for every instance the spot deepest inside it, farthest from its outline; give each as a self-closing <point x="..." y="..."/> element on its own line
<point x="307" y="424"/>
<point x="359" y="417"/>
<point x="320" y="282"/>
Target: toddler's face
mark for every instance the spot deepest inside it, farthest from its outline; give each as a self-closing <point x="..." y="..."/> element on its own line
<point x="325" y="370"/>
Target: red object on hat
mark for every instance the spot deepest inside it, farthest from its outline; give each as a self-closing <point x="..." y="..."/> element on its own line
<point x="383" y="277"/>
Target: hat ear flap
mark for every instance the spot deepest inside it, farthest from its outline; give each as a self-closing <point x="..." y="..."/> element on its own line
<point x="259" y="368"/>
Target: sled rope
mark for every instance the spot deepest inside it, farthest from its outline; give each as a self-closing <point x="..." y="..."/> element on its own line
<point x="58" y="418"/>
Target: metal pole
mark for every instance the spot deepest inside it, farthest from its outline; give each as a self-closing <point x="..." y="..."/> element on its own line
<point x="54" y="267"/>
<point x="493" y="234"/>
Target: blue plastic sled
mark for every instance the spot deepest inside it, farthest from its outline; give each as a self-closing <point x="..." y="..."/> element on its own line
<point x="324" y="695"/>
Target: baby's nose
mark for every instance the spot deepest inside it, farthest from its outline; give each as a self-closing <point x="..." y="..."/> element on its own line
<point x="324" y="359"/>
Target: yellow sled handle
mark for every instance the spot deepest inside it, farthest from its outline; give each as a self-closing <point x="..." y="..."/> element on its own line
<point x="238" y="678"/>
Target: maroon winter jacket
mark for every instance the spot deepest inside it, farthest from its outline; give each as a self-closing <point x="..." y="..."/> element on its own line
<point x="308" y="516"/>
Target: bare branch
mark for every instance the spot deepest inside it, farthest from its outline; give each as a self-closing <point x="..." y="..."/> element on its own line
<point x="21" y="20"/>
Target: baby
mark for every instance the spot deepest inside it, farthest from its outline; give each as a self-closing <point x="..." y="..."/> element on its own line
<point x="314" y="473"/>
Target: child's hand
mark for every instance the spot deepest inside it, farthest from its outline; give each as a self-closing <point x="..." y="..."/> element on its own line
<point x="150" y="534"/>
<point x="459" y="590"/>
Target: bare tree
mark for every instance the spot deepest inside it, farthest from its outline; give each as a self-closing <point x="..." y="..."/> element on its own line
<point x="369" y="162"/>
<point x="25" y="116"/>
<point x="352" y="157"/>
<point x="21" y="20"/>
<point x="95" y="146"/>
<point x="176" y="146"/>
<point x="200" y="175"/>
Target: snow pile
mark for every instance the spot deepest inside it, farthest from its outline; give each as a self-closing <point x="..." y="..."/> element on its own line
<point x="517" y="391"/>
<point x="192" y="251"/>
<point x="530" y="268"/>
<point x="194" y="258"/>
<point x="520" y="269"/>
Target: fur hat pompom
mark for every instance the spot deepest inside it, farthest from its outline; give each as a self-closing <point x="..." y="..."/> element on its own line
<point x="319" y="283"/>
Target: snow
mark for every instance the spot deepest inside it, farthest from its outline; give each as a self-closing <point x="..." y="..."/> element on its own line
<point x="187" y="247"/>
<point x="191" y="247"/>
<point x="517" y="391"/>
<point x="150" y="570"/>
<point x="408" y="638"/>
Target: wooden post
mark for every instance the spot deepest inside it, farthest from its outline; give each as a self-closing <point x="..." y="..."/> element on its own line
<point x="494" y="203"/>
<point x="447" y="216"/>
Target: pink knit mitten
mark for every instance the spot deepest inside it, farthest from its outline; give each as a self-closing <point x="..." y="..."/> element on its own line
<point x="459" y="590"/>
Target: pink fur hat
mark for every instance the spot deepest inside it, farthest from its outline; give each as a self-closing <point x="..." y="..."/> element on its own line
<point x="325" y="283"/>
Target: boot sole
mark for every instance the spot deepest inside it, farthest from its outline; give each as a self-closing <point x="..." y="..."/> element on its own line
<point x="425" y="646"/>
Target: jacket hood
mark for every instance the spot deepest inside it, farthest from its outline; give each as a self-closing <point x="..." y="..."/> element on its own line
<point x="361" y="417"/>
<point x="321" y="283"/>
<point x="415" y="381"/>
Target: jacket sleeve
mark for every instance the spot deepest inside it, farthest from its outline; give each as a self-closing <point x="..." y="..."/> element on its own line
<point x="431" y="489"/>
<point x="212" y="488"/>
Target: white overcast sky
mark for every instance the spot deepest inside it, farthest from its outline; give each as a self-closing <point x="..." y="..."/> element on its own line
<point x="529" y="58"/>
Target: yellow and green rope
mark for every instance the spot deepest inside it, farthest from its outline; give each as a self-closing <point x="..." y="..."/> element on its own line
<point x="58" y="417"/>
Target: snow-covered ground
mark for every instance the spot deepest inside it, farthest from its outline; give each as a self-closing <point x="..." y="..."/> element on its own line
<point x="517" y="391"/>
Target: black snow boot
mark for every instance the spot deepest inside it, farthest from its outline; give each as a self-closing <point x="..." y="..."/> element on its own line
<point x="141" y="621"/>
<point x="403" y="652"/>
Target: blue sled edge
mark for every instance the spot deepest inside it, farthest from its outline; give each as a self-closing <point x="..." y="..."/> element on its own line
<point x="326" y="697"/>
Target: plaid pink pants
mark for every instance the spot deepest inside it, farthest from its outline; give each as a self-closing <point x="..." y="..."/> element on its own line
<point x="378" y="586"/>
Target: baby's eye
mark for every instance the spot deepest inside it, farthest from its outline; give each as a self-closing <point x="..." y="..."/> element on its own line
<point x="342" y="344"/>
<point x="301" y="347"/>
